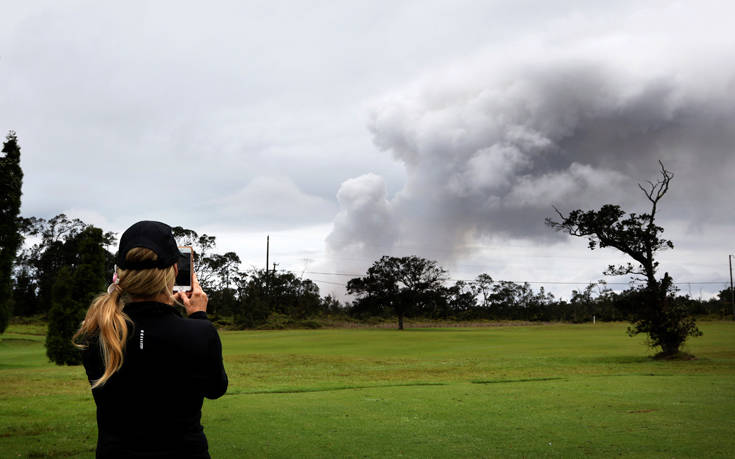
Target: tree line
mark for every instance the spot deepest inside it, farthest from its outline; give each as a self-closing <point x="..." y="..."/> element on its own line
<point x="416" y="287"/>
<point x="71" y="253"/>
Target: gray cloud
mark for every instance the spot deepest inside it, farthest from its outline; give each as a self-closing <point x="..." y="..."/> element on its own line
<point x="489" y="155"/>
<point x="270" y="202"/>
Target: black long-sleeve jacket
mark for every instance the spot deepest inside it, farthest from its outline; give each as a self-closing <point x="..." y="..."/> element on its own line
<point x="152" y="406"/>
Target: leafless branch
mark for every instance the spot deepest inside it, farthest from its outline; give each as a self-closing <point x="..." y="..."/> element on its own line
<point x="560" y="226"/>
<point x="657" y="190"/>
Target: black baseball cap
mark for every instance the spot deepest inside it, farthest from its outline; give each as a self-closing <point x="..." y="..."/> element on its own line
<point x="155" y="236"/>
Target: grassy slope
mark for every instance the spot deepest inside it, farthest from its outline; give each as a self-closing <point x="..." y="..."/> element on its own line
<point x="559" y="390"/>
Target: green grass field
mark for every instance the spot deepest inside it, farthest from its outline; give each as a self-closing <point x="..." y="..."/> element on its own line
<point x="546" y="390"/>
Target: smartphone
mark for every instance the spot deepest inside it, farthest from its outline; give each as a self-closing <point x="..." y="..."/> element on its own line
<point x="183" y="281"/>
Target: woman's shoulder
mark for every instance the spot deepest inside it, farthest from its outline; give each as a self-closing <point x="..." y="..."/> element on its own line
<point x="199" y="322"/>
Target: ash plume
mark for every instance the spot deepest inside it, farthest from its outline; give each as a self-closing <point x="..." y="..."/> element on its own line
<point x="489" y="148"/>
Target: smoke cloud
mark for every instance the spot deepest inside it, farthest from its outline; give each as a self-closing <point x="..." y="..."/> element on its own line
<point x="491" y="145"/>
<point x="365" y="210"/>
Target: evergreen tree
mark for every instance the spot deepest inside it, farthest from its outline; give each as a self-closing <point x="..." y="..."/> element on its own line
<point x="75" y="287"/>
<point x="11" y="181"/>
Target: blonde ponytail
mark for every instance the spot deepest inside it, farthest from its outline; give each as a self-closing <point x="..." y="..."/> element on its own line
<point x="105" y="317"/>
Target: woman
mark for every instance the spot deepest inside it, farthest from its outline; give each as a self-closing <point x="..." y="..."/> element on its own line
<point x="149" y="367"/>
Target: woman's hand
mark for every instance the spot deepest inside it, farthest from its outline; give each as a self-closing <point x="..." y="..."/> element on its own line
<point x="193" y="301"/>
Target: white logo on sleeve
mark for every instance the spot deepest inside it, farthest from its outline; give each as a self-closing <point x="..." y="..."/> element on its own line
<point x="141" y="338"/>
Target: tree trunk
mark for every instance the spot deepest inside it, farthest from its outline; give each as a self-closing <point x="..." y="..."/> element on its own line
<point x="669" y="349"/>
<point x="651" y="281"/>
<point x="400" y="321"/>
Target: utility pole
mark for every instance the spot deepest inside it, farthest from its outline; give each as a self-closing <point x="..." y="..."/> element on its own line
<point x="267" y="254"/>
<point x="732" y="293"/>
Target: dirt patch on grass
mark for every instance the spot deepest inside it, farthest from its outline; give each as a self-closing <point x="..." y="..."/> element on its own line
<point x="299" y="390"/>
<point x="23" y="430"/>
<point x="408" y="324"/>
<point x="677" y="356"/>
<point x="60" y="452"/>
<point x="505" y="381"/>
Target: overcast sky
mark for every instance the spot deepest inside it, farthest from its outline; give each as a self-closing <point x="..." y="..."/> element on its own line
<point x="350" y="130"/>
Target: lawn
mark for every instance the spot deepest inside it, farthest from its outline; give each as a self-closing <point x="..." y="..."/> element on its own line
<point x="543" y="390"/>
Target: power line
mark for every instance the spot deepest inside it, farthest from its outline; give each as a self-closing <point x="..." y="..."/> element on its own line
<point x="518" y="282"/>
<point x="328" y="282"/>
<point x="333" y="274"/>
